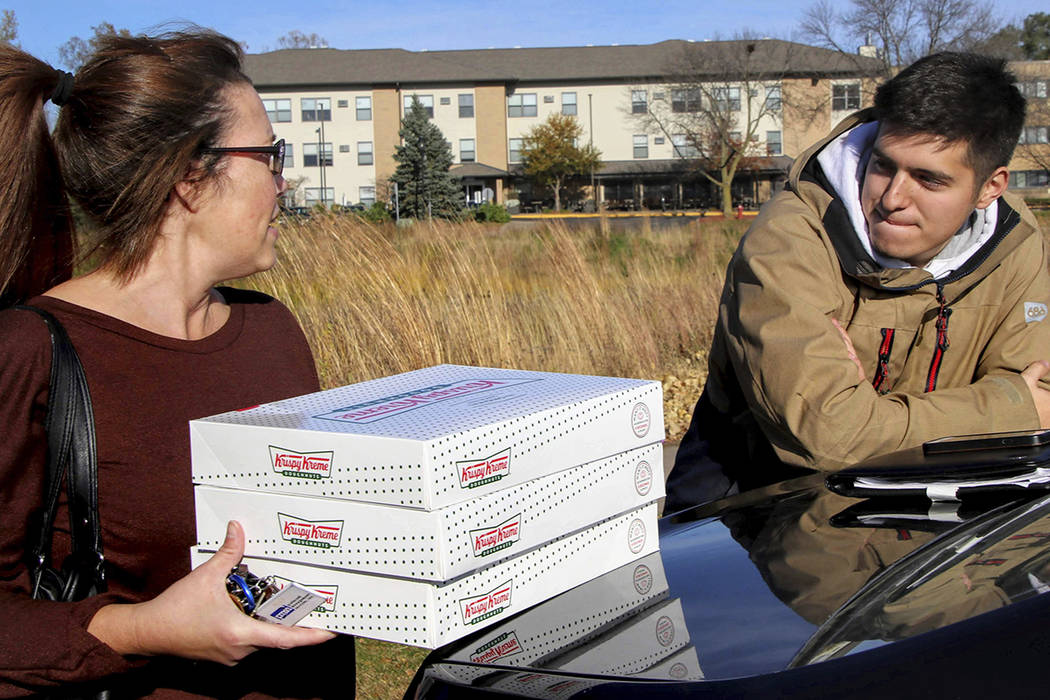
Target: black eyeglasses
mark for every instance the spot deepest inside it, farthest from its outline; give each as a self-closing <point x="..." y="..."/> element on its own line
<point x="276" y="153"/>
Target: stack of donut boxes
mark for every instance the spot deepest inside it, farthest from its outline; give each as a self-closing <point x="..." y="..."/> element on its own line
<point x="426" y="505"/>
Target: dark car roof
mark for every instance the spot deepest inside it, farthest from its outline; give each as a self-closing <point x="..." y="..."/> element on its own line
<point x="778" y="578"/>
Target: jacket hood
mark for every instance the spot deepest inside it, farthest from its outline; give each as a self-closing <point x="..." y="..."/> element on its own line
<point x="832" y="184"/>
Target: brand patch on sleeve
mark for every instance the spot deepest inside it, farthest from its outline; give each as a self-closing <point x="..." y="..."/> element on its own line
<point x="1034" y="311"/>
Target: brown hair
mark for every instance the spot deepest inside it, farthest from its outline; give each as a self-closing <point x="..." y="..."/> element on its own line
<point x="36" y="232"/>
<point x="141" y="111"/>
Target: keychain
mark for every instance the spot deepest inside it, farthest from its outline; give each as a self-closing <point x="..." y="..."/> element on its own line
<point x="247" y="590"/>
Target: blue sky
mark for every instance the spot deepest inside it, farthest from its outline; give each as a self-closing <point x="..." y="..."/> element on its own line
<point x="415" y="25"/>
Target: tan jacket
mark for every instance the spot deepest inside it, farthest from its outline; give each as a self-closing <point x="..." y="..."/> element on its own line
<point x="778" y="370"/>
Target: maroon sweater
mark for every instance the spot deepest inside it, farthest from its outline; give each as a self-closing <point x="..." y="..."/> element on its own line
<point x="144" y="389"/>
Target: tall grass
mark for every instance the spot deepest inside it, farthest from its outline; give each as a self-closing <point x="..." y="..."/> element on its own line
<point x="376" y="300"/>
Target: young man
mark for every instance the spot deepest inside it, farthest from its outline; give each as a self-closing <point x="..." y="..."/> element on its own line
<point x="892" y="294"/>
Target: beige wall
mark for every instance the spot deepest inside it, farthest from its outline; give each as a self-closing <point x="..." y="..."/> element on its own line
<point x="386" y="116"/>
<point x="490" y="106"/>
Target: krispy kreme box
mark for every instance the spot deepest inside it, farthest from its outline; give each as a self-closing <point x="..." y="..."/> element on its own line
<point x="570" y="619"/>
<point x="435" y="545"/>
<point x="427" y="614"/>
<point x="428" y="438"/>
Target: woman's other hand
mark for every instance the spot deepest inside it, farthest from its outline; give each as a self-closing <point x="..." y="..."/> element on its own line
<point x="195" y="618"/>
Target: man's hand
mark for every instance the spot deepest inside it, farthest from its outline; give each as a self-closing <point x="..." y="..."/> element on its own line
<point x="851" y="352"/>
<point x="1031" y="375"/>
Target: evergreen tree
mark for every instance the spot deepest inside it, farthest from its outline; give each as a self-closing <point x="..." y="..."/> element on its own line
<point x="424" y="185"/>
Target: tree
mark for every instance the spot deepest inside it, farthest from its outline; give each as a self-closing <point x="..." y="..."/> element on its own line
<point x="721" y="94"/>
<point x="76" y="52"/>
<point x="551" y="155"/>
<point x="901" y="30"/>
<point x="1035" y="36"/>
<point x="8" y="27"/>
<point x="296" y="39"/>
<point x="424" y="185"/>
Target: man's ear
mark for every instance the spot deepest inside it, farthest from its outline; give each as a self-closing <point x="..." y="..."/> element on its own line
<point x="994" y="186"/>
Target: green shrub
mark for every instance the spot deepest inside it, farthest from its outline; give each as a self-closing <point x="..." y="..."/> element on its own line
<point x="493" y="213"/>
<point x="377" y="213"/>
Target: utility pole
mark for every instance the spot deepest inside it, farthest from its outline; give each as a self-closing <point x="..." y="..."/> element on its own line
<point x="321" y="159"/>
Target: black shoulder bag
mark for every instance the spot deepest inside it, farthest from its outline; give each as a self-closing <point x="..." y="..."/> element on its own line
<point x="71" y="458"/>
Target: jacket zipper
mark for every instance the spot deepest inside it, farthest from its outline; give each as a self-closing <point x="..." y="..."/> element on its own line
<point x="883" y="368"/>
<point x="942" y="339"/>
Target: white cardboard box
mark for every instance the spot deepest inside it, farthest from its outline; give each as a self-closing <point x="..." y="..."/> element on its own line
<point x="435" y="545"/>
<point x="428" y="615"/>
<point x="428" y="438"/>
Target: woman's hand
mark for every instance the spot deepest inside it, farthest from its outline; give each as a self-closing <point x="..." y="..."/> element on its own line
<point x="195" y="618"/>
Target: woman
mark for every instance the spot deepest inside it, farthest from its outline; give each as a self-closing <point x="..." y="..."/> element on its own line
<point x="166" y="148"/>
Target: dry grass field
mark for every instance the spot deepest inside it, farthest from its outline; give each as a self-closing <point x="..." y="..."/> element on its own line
<point x="378" y="300"/>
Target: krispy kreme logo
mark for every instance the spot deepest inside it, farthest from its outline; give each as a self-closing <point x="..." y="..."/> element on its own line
<point x="640" y="419"/>
<point x="636" y="536"/>
<point x="643" y="478"/>
<point x="478" y="472"/>
<point x="643" y="579"/>
<point x="328" y="593"/>
<point x="378" y="409"/>
<point x="505" y="645"/>
<point x="301" y="465"/>
<point x="324" y="534"/>
<point x="487" y="605"/>
<point x="488" y="540"/>
<point x="664" y="631"/>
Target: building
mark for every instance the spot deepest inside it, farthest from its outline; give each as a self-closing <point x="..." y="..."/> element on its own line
<point x="339" y="112"/>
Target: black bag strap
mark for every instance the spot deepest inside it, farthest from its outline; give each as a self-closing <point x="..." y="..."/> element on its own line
<point x="70" y="425"/>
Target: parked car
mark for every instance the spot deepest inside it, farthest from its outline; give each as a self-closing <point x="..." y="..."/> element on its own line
<point x="789" y="590"/>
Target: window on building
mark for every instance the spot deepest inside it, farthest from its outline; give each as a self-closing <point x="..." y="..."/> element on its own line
<point x="1033" y="88"/>
<point x="641" y="146"/>
<point x="683" y="146"/>
<point x="514" y="150"/>
<point x="313" y="195"/>
<point x="685" y="100"/>
<point x="278" y="110"/>
<point x="773" y="98"/>
<point x="845" y="96"/>
<point x="364" y="109"/>
<point x="316" y="109"/>
<point x="773" y="144"/>
<point x="466" y="105"/>
<point x="366" y="194"/>
<point x="446" y="100"/>
<point x="1029" y="178"/>
<point x="310" y="154"/>
<point x="342" y="104"/>
<point x="289" y="160"/>
<point x="1034" y="134"/>
<point x="726" y="98"/>
<point x="466" y="150"/>
<point x="735" y="138"/>
<point x="639" y="102"/>
<point x="426" y="100"/>
<point x="522" y="104"/>
<point x="568" y="104"/>
<point x="364" y="152"/>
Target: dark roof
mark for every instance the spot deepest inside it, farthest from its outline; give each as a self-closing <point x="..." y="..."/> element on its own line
<point x="475" y="170"/>
<point x="709" y="59"/>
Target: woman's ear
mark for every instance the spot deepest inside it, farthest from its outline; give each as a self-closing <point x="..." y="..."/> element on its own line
<point x="189" y="193"/>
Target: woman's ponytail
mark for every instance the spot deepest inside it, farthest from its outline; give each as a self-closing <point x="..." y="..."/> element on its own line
<point x="36" y="228"/>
